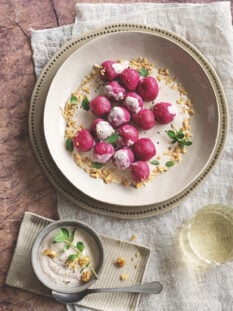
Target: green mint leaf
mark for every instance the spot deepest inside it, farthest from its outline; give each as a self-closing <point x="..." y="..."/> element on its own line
<point x="85" y="104"/>
<point x="61" y="236"/>
<point x="72" y="257"/>
<point x="186" y="142"/>
<point x="65" y="248"/>
<point x="171" y="134"/>
<point x="180" y="135"/>
<point x="97" y="165"/>
<point x="69" y="144"/>
<point x="71" y="239"/>
<point x="113" y="138"/>
<point x="170" y="163"/>
<point x="143" y="72"/>
<point x="81" y="270"/>
<point x="73" y="100"/>
<point x="65" y="233"/>
<point x="87" y="265"/>
<point x="154" y="162"/>
<point x="80" y="246"/>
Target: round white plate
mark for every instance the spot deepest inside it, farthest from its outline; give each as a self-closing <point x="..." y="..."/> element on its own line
<point x="186" y="64"/>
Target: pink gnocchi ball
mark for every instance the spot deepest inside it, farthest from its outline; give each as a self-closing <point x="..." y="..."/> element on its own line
<point x="107" y="71"/>
<point x="140" y="171"/>
<point x="129" y="78"/>
<point x="100" y="106"/>
<point x="101" y="129"/>
<point x="144" y="119"/>
<point x="83" y="140"/>
<point x="164" y="112"/>
<point x="144" y="149"/>
<point x="128" y="135"/>
<point x="148" y="88"/>
<point x="123" y="158"/>
<point x="133" y="102"/>
<point x="118" y="116"/>
<point x="114" y="91"/>
<point x="102" y="152"/>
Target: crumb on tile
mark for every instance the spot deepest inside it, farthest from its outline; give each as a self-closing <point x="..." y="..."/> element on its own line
<point x="124" y="276"/>
<point x="133" y="237"/>
<point x="121" y="262"/>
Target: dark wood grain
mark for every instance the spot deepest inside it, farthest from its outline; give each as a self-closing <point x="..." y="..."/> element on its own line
<point x="23" y="184"/>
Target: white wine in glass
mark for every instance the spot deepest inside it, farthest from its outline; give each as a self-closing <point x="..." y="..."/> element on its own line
<point x="208" y="238"/>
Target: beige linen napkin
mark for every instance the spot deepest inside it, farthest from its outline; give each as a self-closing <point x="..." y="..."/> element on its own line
<point x="21" y="274"/>
<point x="209" y="28"/>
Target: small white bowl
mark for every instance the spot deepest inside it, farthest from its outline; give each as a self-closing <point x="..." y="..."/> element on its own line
<point x="41" y="275"/>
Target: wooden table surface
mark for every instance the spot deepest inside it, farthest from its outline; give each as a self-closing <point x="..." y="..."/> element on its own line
<point x="23" y="184"/>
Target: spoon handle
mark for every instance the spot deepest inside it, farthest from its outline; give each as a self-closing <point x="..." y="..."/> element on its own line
<point x="147" y="288"/>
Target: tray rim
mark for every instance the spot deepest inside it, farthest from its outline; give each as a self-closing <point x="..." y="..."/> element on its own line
<point x="48" y="165"/>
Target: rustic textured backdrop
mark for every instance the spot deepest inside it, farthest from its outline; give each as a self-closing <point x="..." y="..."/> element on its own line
<point x="23" y="184"/>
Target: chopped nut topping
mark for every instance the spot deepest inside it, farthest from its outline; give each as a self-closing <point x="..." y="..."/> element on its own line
<point x="50" y="253"/>
<point x="96" y="66"/>
<point x="164" y="72"/>
<point x="124" y="277"/>
<point x="191" y="111"/>
<point x="133" y="237"/>
<point x="86" y="275"/>
<point x="139" y="185"/>
<point x="162" y="169"/>
<point x="186" y="125"/>
<point x="141" y="62"/>
<point x="121" y="262"/>
<point x="102" y="71"/>
<point x="83" y="261"/>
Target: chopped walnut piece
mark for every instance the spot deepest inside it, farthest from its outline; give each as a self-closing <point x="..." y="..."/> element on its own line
<point x="86" y="275"/>
<point x="139" y="185"/>
<point x="97" y="66"/>
<point x="102" y="71"/>
<point x="121" y="262"/>
<point x="50" y="253"/>
<point x="124" y="276"/>
<point x="83" y="261"/>
<point x="186" y="125"/>
<point x="133" y="237"/>
<point x="191" y="111"/>
<point x="141" y="62"/>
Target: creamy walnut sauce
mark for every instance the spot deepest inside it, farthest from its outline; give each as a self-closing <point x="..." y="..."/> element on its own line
<point x="54" y="262"/>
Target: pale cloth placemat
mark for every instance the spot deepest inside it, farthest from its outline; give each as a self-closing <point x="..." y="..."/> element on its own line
<point x="21" y="273"/>
<point x="209" y="28"/>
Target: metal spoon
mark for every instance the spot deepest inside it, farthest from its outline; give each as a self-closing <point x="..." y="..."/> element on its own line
<point x="147" y="288"/>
